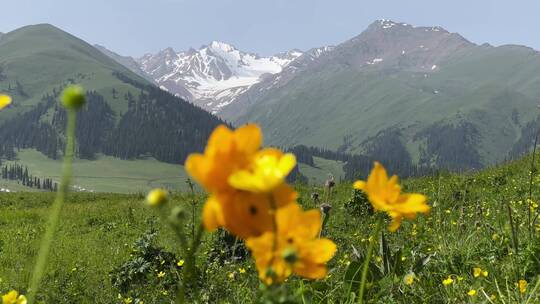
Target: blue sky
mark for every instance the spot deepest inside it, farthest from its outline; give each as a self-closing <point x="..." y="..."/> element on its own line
<point x="135" y="27"/>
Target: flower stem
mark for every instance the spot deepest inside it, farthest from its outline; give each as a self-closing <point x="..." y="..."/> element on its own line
<point x="56" y="207"/>
<point x="368" y="258"/>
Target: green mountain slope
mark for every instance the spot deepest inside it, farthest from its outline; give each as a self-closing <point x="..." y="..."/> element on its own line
<point x="126" y="117"/>
<point x="406" y="94"/>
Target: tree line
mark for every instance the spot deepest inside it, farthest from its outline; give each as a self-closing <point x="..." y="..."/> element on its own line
<point x="19" y="173"/>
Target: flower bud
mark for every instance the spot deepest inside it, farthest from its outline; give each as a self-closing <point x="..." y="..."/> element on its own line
<point x="156" y="197"/>
<point x="73" y="97"/>
<point x="325" y="208"/>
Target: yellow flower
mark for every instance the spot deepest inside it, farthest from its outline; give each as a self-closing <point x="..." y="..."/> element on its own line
<point x="294" y="248"/>
<point x="448" y="281"/>
<point x="180" y="263"/>
<point x="385" y="195"/>
<point x="13" y="297"/>
<point x="522" y="285"/>
<point x="227" y="151"/>
<point x="5" y="101"/>
<point x="269" y="169"/>
<point x="477" y="271"/>
<point x="242" y="270"/>
<point x="128" y="300"/>
<point x="409" y="278"/>
<point x="156" y="197"/>
<point x="246" y="214"/>
<point x="472" y="292"/>
<point x="161" y="274"/>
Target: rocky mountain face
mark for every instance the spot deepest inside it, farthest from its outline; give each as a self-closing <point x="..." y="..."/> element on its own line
<point x="401" y="93"/>
<point x="214" y="75"/>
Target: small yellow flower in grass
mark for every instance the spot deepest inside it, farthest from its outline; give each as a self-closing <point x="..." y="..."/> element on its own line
<point x="385" y="195"/>
<point x="409" y="278"/>
<point x="472" y="292"/>
<point x="296" y="248"/>
<point x="448" y="281"/>
<point x="180" y="263"/>
<point x="156" y="197"/>
<point x="73" y="97"/>
<point x="493" y="297"/>
<point x="246" y="214"/>
<point x="226" y="152"/>
<point x="128" y="300"/>
<point x="522" y="285"/>
<point x="13" y="297"/>
<point x="5" y="101"/>
<point x="269" y="169"/>
<point x="242" y="270"/>
<point x="161" y="274"/>
<point x="477" y="271"/>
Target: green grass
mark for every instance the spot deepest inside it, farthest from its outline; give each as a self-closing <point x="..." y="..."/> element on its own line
<point x="113" y="175"/>
<point x="318" y="174"/>
<point x="108" y="174"/>
<point x="468" y="227"/>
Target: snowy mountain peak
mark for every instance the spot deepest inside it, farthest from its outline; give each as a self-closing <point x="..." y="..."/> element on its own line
<point x="222" y="46"/>
<point x="213" y="75"/>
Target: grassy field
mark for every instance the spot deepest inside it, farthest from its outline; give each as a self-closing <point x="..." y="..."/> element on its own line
<point x="113" y="175"/>
<point x="109" y="174"/>
<point x="468" y="227"/>
<point x="318" y="174"/>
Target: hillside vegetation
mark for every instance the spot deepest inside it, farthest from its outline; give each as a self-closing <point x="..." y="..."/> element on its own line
<point x="468" y="227"/>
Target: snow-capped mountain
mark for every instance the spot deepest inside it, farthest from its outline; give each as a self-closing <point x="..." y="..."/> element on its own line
<point x="214" y="75"/>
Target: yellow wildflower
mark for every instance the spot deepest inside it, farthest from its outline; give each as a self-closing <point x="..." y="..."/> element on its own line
<point x="295" y="248"/>
<point x="522" y="285"/>
<point x="161" y="274"/>
<point x="269" y="169"/>
<point x="156" y="197"/>
<point x="477" y="271"/>
<point x="246" y="214"/>
<point x="128" y="300"/>
<point x="13" y="297"/>
<point x="385" y="195"/>
<point x="472" y="292"/>
<point x="448" y="281"/>
<point x="227" y="151"/>
<point x="242" y="270"/>
<point x="5" y="101"/>
<point x="409" y="278"/>
<point x="180" y="263"/>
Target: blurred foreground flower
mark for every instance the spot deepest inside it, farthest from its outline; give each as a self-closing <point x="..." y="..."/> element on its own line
<point x="296" y="248"/>
<point x="13" y="297"/>
<point x="249" y="197"/>
<point x="156" y="197"/>
<point x="385" y="195"/>
<point x="246" y="214"/>
<point x="5" y="101"/>
<point x="269" y="169"/>
<point x="227" y="151"/>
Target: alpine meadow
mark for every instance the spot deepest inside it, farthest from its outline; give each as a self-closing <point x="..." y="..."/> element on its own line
<point x="323" y="158"/>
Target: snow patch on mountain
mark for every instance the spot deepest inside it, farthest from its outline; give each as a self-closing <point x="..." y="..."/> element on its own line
<point x="213" y="75"/>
